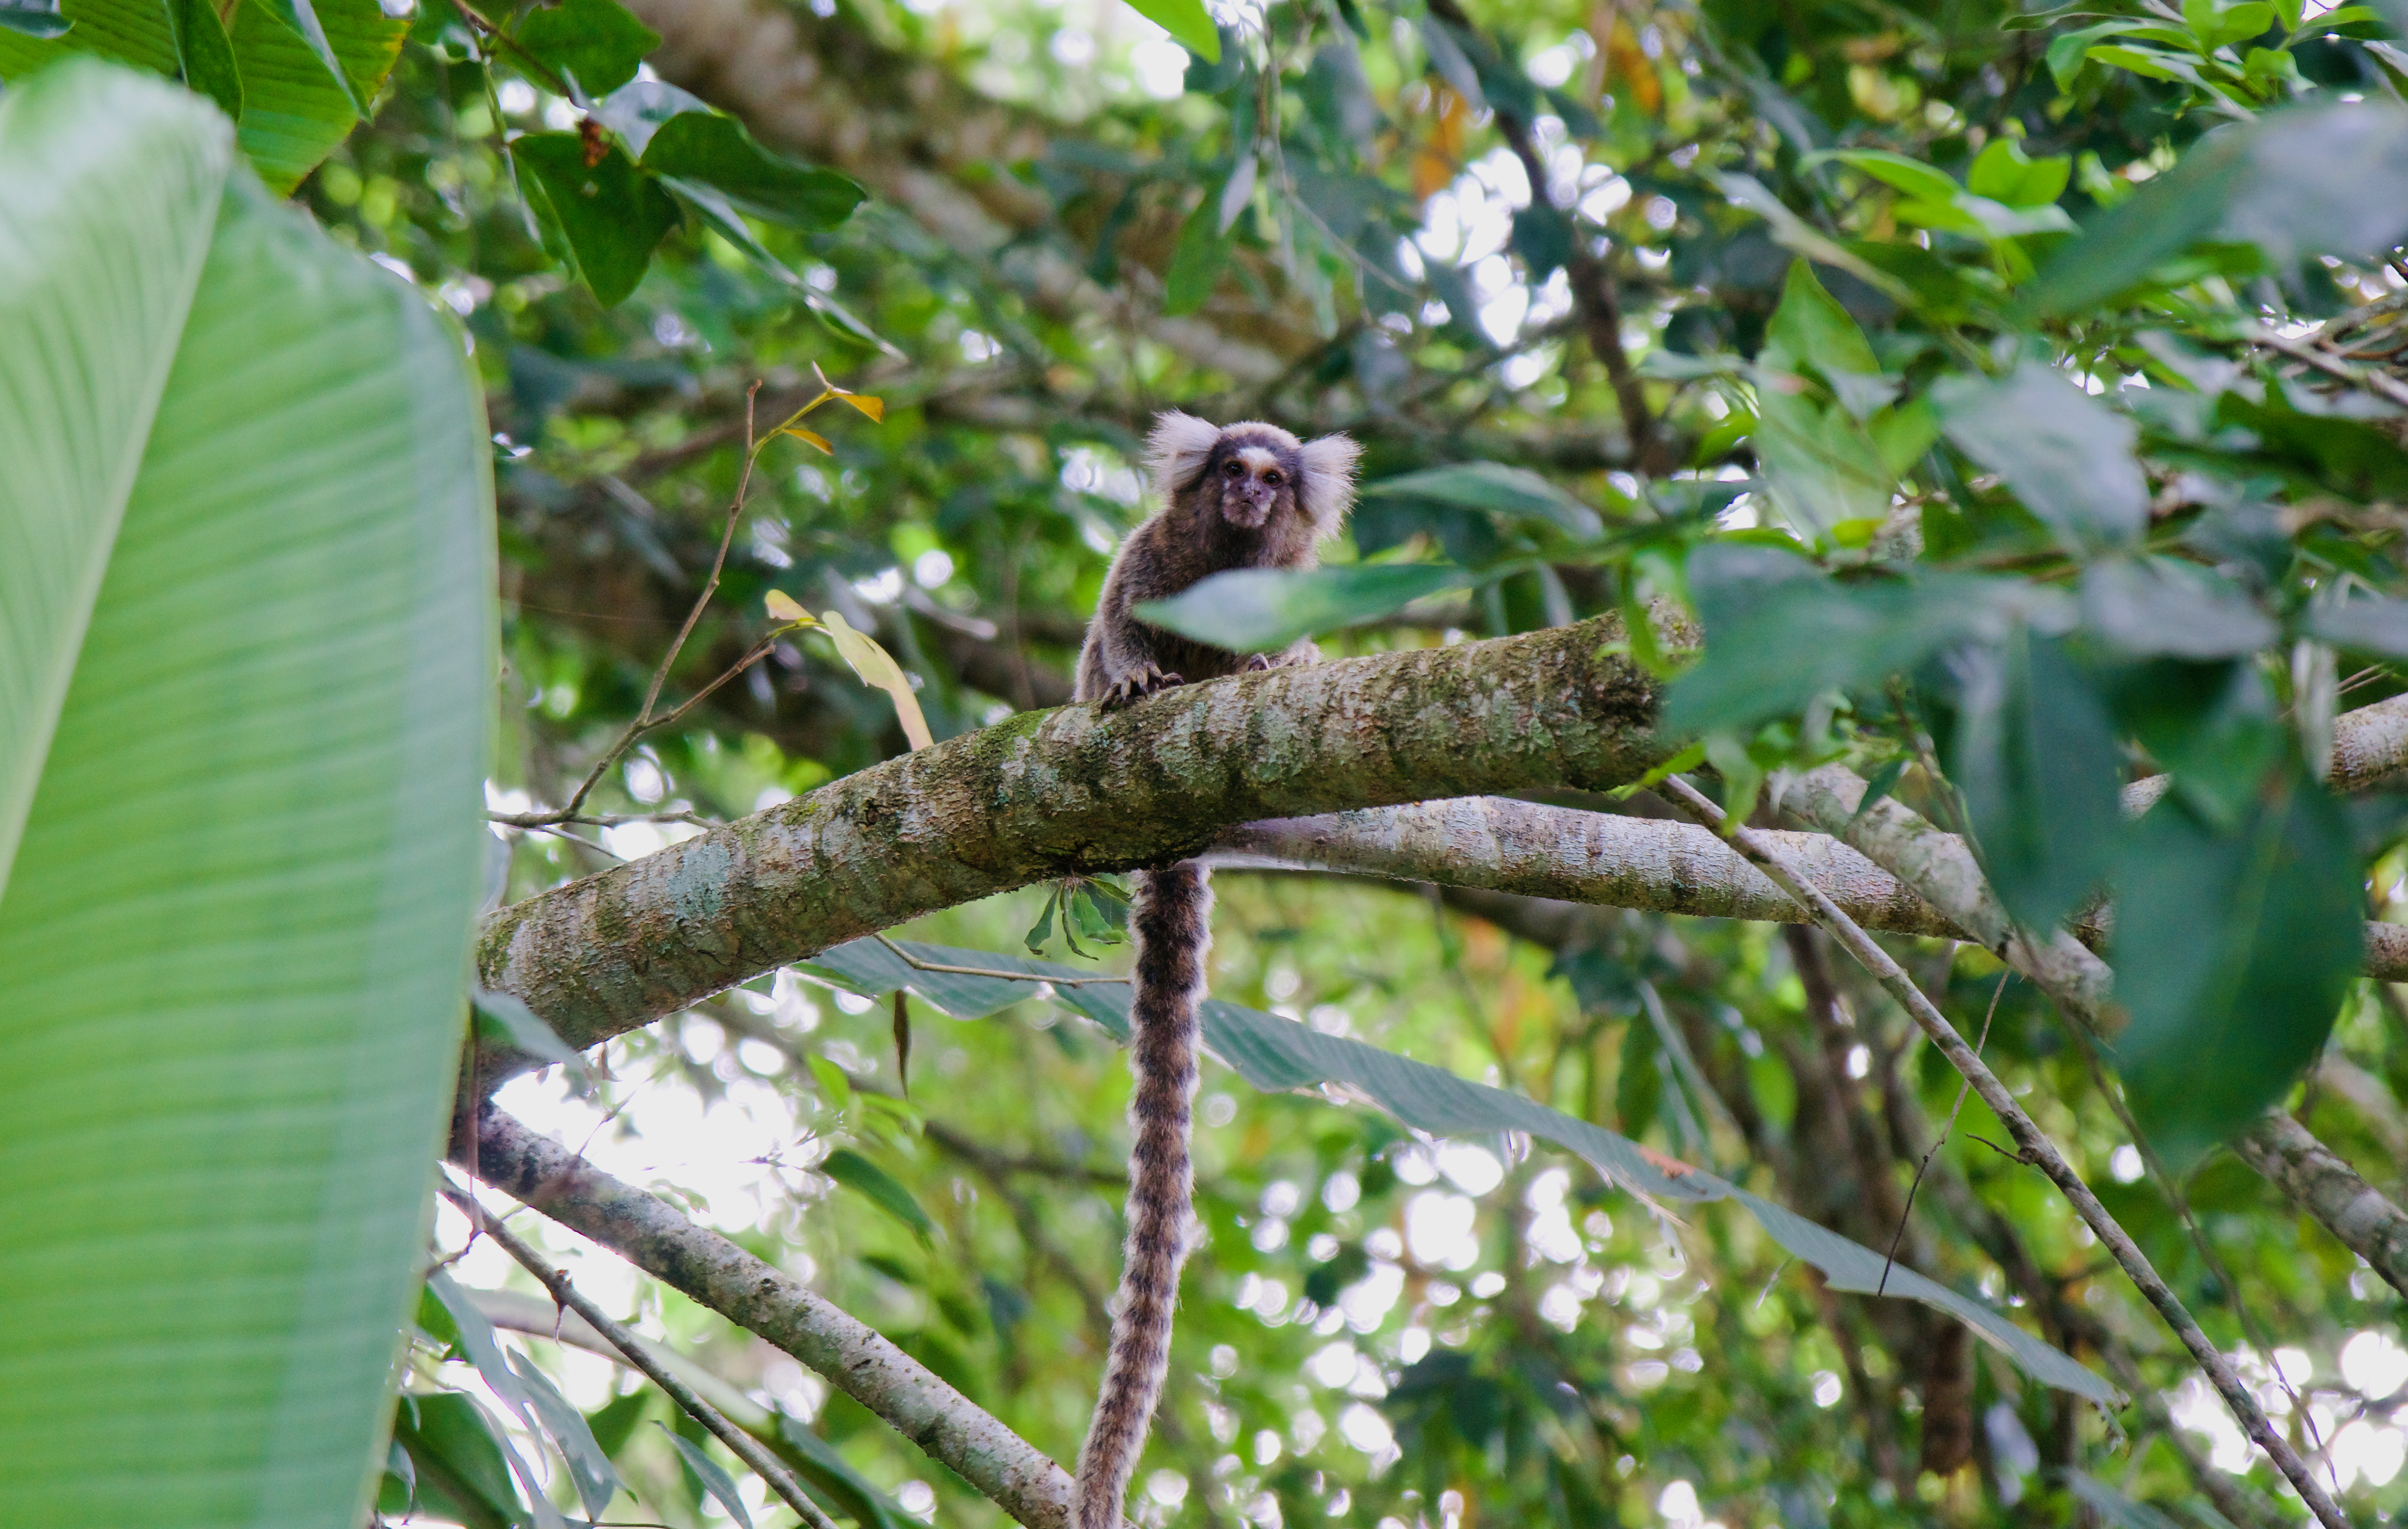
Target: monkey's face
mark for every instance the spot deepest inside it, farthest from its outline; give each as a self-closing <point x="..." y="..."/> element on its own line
<point x="1254" y="479"/>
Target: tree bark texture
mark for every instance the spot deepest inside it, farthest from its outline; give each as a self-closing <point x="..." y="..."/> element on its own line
<point x="1566" y="854"/>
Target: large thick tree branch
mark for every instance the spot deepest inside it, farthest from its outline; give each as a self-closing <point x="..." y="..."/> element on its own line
<point x="1051" y="793"/>
<point x="1497" y="844"/>
<point x="716" y="1273"/>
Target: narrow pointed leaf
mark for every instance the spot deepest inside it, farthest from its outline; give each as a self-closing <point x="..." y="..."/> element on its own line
<point x="713" y="1477"/>
<point x="1280" y="1055"/>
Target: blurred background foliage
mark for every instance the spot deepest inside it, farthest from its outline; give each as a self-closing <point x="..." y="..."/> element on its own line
<point x="1795" y="312"/>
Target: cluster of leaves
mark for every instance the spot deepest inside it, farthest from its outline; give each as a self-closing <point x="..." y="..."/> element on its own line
<point x="295" y="77"/>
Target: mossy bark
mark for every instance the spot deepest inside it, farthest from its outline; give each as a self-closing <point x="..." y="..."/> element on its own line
<point x="1056" y="793"/>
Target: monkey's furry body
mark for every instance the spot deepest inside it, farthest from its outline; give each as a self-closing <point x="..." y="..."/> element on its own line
<point x="1246" y="495"/>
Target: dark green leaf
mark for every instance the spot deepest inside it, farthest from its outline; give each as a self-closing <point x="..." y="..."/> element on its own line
<point x="714" y="1478"/>
<point x="435" y="1318"/>
<point x="611" y="214"/>
<point x="2004" y="173"/>
<point x="1822" y="468"/>
<point x="205" y="52"/>
<point x="34" y="18"/>
<point x="1278" y="1055"/>
<point x="2066" y="455"/>
<point x="593" y="44"/>
<point x="1492" y="486"/>
<point x="1188" y="23"/>
<point x="1638" y="1079"/>
<point x="293" y="111"/>
<point x="2323" y="180"/>
<point x="1810" y="328"/>
<point x="457" y="1455"/>
<point x="2212" y="725"/>
<point x="1263" y="610"/>
<point x="2156" y="606"/>
<point x="717" y="151"/>
<point x="2034" y="756"/>
<point x="1878" y="786"/>
<point x="614" y="1422"/>
<point x="1042" y="930"/>
<point x="1773" y="644"/>
<point x="2232" y="951"/>
<point x="863" y="1177"/>
<point x="1195" y="262"/>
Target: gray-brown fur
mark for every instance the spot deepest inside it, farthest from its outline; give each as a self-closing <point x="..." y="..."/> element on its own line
<point x="1246" y="495"/>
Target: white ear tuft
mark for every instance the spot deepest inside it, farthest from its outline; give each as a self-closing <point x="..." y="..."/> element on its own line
<point x="1176" y="451"/>
<point x="1328" y="490"/>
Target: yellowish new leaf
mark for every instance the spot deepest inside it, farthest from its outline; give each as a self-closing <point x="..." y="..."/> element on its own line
<point x="874" y="407"/>
<point x="783" y="607"/>
<point x="871" y="663"/>
<point x="802" y="435"/>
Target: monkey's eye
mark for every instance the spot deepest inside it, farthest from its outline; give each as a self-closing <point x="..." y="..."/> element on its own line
<point x="1231" y="470"/>
<point x="1272" y="478"/>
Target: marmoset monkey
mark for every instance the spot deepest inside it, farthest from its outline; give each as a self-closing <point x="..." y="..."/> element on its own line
<point x="1247" y="495"/>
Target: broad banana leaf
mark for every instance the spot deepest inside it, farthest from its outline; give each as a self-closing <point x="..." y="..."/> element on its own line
<point x="246" y="651"/>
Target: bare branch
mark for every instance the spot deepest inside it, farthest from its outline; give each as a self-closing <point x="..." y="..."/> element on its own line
<point x="752" y="1294"/>
<point x="1501" y="845"/>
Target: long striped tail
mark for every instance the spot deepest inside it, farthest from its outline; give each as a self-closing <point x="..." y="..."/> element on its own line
<point x="1172" y="922"/>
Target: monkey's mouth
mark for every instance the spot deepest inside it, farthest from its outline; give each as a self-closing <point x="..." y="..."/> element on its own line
<point x="1244" y="513"/>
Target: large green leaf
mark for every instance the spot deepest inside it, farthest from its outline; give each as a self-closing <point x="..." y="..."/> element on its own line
<point x="1188" y="21"/>
<point x="1492" y="486"/>
<point x="2068" y="456"/>
<point x="2232" y="950"/>
<point x="1779" y="634"/>
<point x="294" y="110"/>
<point x="1278" y="1055"/>
<point x="1262" y="610"/>
<point x="2320" y="179"/>
<point x="245" y="567"/>
<point x="597" y="43"/>
<point x="2034" y="754"/>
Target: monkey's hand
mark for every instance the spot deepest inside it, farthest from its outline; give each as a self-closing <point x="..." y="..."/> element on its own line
<point x="1135" y="685"/>
<point x="1303" y="652"/>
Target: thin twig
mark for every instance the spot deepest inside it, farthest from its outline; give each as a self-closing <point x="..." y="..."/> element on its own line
<point x="2033" y="1145"/>
<point x="919" y="966"/>
<point x="1964" y="1087"/>
<point x="598" y="819"/>
<point x="644" y="722"/>
<point x="2380" y="383"/>
<point x="745" y="1446"/>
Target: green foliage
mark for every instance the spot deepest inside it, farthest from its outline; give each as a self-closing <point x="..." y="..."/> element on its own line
<point x="1263" y="610"/>
<point x="2234" y="946"/>
<point x="244" y="548"/>
<point x="1971" y="438"/>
